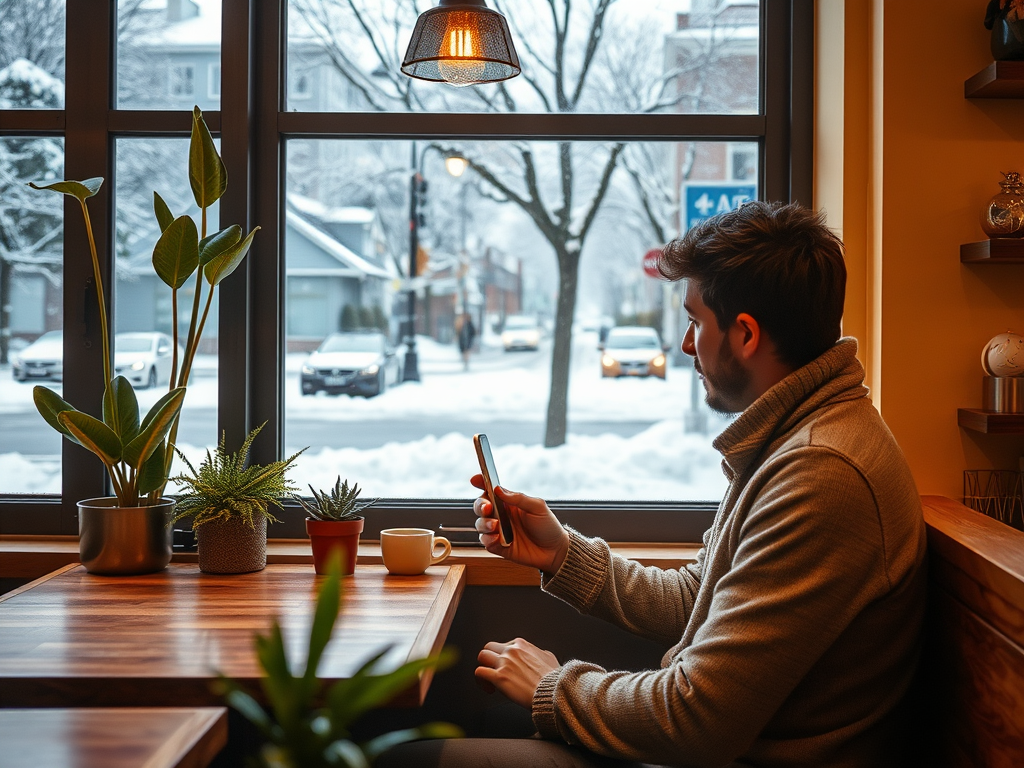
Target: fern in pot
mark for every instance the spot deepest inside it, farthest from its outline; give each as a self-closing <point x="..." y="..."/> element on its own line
<point x="334" y="523"/>
<point x="229" y="504"/>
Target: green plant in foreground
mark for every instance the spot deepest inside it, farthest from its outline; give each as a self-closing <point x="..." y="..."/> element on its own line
<point x="225" y="487"/>
<point x="137" y="453"/>
<point x="340" y="504"/>
<point x="310" y="728"/>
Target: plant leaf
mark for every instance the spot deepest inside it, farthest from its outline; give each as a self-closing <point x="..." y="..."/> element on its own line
<point x="225" y="263"/>
<point x="151" y="473"/>
<point x="278" y="682"/>
<point x="214" y="245"/>
<point x="206" y="171"/>
<point x="164" y="217"/>
<point x="158" y="405"/>
<point x="328" y="605"/>
<point x="93" y="434"/>
<point x="121" y="409"/>
<point x="50" y="406"/>
<point x="79" y="189"/>
<point x="347" y="753"/>
<point x="176" y="254"/>
<point x="158" y="424"/>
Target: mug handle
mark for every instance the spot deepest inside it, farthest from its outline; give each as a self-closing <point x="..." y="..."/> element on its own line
<point x="447" y="549"/>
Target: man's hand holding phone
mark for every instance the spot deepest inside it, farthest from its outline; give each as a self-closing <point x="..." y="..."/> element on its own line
<point x="540" y="541"/>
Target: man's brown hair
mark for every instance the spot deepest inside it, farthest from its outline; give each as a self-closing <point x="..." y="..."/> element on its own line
<point x="778" y="263"/>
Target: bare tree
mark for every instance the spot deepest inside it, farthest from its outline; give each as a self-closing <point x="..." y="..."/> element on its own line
<point x="565" y="69"/>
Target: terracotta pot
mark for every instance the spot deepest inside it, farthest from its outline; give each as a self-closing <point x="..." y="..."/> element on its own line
<point x="124" y="541"/>
<point x="232" y="545"/>
<point x="329" y="536"/>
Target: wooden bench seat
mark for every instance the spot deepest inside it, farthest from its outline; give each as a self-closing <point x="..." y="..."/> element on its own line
<point x="973" y="669"/>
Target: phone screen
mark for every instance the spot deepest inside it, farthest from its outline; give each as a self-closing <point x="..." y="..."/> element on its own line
<point x="490" y="474"/>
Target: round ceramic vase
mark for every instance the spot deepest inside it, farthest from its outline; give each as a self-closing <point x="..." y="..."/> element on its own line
<point x="232" y="545"/>
<point x="327" y="537"/>
<point x="124" y="541"/>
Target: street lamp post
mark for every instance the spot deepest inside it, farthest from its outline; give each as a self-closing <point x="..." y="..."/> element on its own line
<point x="411" y="369"/>
<point x="455" y="166"/>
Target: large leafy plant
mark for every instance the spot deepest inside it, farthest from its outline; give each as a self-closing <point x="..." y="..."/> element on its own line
<point x="138" y="452"/>
<point x="310" y="728"/>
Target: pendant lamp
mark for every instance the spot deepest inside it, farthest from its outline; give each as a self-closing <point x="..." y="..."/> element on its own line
<point x="461" y="42"/>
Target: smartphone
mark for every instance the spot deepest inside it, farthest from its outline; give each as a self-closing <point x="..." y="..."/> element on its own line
<point x="490" y="474"/>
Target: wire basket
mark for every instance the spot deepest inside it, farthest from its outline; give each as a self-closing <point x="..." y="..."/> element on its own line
<point x="998" y="493"/>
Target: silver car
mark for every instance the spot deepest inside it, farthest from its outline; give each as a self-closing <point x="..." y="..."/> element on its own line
<point x="42" y="360"/>
<point x="144" y="358"/>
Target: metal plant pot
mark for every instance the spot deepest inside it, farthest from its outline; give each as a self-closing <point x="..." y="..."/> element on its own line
<point x="124" y="541"/>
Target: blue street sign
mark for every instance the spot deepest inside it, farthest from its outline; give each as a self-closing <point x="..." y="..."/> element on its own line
<point x="706" y="200"/>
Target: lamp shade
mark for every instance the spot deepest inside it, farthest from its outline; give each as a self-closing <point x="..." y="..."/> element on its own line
<point x="461" y="42"/>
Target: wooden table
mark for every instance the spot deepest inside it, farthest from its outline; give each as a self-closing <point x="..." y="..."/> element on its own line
<point x="112" y="738"/>
<point x="75" y="639"/>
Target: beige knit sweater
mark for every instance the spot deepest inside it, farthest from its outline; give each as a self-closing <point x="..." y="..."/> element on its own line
<point x="795" y="633"/>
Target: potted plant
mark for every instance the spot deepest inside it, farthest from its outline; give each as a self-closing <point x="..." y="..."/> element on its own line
<point x="230" y="506"/>
<point x="129" y="533"/>
<point x="309" y="727"/>
<point x="334" y="523"/>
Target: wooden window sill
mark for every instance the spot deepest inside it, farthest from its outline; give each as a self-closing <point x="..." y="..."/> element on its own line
<point x="29" y="557"/>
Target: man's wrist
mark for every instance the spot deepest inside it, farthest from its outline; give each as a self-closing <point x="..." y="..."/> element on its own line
<point x="559" y="557"/>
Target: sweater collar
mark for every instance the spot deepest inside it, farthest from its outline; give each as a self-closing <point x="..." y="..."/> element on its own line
<point x="834" y="377"/>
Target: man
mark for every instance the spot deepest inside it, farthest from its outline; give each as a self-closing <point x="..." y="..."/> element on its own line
<point x="794" y="635"/>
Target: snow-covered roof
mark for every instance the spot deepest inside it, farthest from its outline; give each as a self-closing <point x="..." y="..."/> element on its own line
<point x="332" y="247"/>
<point x="331" y="214"/>
<point x="202" y="31"/>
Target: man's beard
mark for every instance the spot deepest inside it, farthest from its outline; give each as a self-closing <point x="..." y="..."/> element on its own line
<point x="725" y="386"/>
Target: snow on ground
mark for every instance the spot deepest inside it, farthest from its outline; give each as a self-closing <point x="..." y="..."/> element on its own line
<point x="661" y="462"/>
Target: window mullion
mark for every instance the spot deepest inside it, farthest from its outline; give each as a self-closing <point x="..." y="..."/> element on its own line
<point x="87" y="153"/>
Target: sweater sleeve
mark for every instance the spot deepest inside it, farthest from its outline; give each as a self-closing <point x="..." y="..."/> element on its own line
<point x="808" y="559"/>
<point x="647" y="601"/>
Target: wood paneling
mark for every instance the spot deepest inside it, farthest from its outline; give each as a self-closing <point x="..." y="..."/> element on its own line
<point x="112" y="738"/>
<point x="975" y="635"/>
<point x="75" y="639"/>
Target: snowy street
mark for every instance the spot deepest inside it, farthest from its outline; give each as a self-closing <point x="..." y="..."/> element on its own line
<point x="626" y="438"/>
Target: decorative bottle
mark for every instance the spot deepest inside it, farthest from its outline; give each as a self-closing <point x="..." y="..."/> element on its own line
<point x="1003" y="216"/>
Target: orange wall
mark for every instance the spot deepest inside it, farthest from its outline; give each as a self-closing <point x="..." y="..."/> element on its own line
<point x="918" y="163"/>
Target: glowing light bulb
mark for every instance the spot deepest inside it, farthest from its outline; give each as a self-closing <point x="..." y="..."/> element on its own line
<point x="460" y="48"/>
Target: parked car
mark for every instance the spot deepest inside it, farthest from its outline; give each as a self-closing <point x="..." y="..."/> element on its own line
<point x="42" y="360"/>
<point x="632" y="350"/>
<point x="353" y="363"/>
<point x="520" y="332"/>
<point x="144" y="357"/>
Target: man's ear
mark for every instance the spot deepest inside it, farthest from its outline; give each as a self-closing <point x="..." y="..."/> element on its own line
<point x="746" y="336"/>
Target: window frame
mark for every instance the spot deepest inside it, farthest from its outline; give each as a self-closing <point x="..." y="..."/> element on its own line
<point x="253" y="125"/>
<point x="172" y="70"/>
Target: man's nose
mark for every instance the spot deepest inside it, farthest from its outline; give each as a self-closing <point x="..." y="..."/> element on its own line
<point x="687" y="345"/>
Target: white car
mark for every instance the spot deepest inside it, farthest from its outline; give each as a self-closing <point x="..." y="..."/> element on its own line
<point x="631" y="350"/>
<point x="520" y="332"/>
<point x="144" y="358"/>
<point x="42" y="360"/>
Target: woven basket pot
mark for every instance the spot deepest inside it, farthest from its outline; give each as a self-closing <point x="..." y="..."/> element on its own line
<point x="232" y="546"/>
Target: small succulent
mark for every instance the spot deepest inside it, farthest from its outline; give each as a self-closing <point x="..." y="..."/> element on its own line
<point x="340" y="504"/>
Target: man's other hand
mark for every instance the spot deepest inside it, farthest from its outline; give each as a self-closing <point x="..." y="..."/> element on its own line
<point x="540" y="541"/>
<point x="515" y="669"/>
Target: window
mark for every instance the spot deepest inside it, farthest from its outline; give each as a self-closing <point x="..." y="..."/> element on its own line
<point x="213" y="81"/>
<point x="181" y="81"/>
<point x="677" y="98"/>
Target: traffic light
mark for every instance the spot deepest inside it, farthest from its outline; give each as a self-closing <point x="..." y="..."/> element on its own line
<point x="421" y="203"/>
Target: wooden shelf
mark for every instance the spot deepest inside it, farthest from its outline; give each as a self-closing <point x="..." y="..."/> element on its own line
<point x="999" y="80"/>
<point x="990" y="423"/>
<point x="998" y="250"/>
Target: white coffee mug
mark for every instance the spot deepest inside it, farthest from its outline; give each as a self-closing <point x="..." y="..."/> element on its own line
<point x="408" y="551"/>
